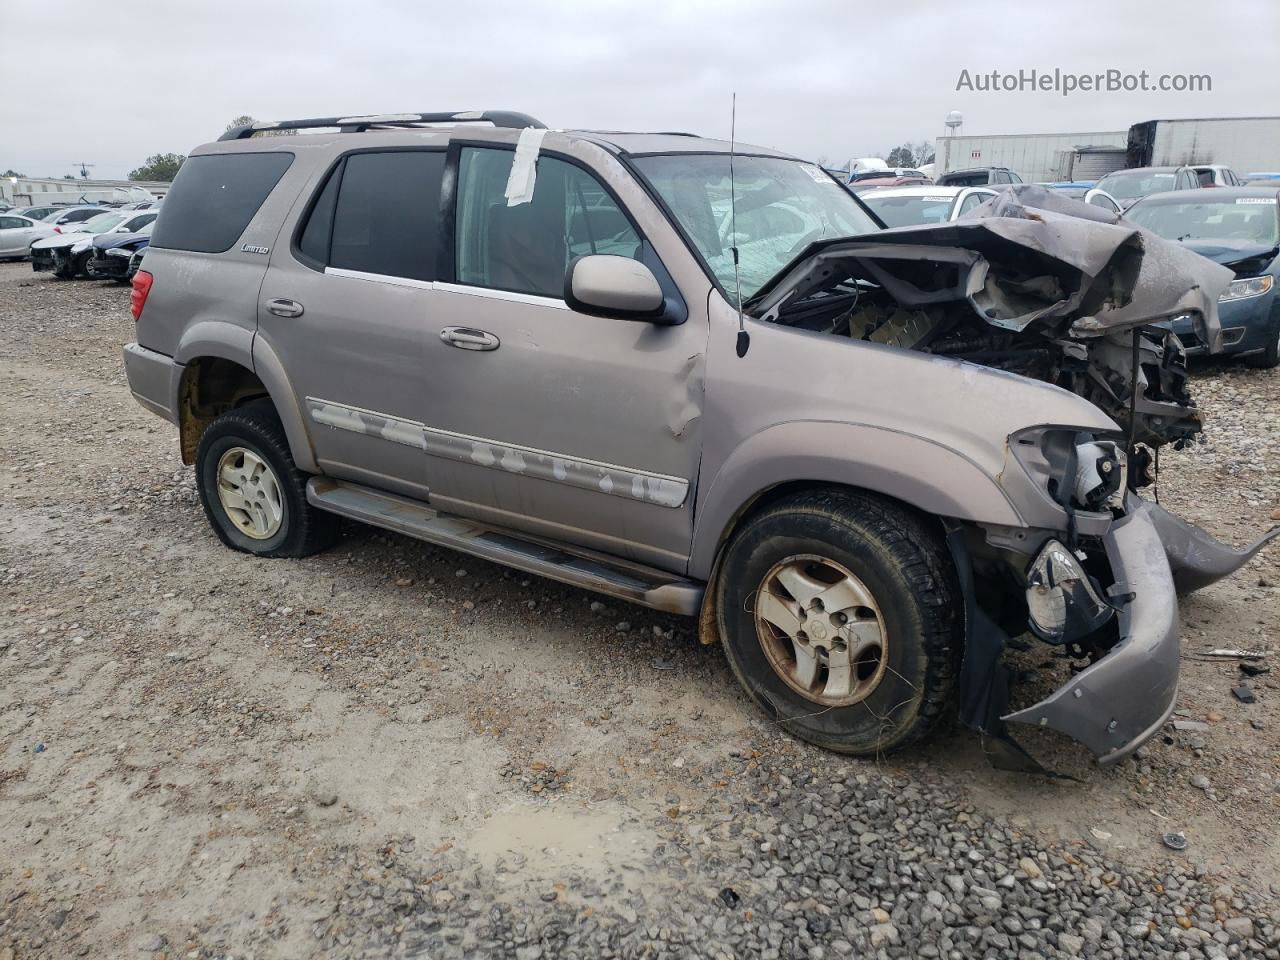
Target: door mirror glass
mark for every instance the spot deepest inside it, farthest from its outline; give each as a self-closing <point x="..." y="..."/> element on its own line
<point x="604" y="285"/>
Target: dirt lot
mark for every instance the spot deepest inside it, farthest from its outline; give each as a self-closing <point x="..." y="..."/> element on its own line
<point x="392" y="750"/>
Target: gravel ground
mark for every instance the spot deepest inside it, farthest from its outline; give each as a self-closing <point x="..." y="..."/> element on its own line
<point x="392" y="750"/>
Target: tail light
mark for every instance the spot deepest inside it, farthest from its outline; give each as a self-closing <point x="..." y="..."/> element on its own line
<point x="57" y="229"/>
<point x="141" y="287"/>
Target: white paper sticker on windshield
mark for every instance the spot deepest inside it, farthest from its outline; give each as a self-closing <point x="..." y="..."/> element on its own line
<point x="1255" y="199"/>
<point x="816" y="173"/>
<point x="937" y="199"/>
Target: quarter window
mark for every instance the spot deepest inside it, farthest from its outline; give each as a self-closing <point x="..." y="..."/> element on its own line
<point x="526" y="248"/>
<point x="214" y="197"/>
<point x="973" y="200"/>
<point x="379" y="213"/>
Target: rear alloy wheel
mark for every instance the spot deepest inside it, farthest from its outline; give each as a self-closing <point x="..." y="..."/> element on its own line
<point x="841" y="615"/>
<point x="249" y="492"/>
<point x="253" y="494"/>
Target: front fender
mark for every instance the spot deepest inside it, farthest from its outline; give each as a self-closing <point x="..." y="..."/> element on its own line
<point x="923" y="473"/>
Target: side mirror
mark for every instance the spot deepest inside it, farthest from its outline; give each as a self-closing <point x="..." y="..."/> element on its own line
<point x="617" y="287"/>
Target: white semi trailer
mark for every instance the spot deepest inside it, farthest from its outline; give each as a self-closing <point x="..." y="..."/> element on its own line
<point x="1246" y="144"/>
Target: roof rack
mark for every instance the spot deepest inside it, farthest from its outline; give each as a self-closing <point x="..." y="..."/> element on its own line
<point x="499" y="118"/>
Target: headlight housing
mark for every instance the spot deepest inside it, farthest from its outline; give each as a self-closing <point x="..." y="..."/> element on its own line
<point x="1249" y="287"/>
<point x="1062" y="602"/>
<point x="1101" y="474"/>
<point x="1092" y="470"/>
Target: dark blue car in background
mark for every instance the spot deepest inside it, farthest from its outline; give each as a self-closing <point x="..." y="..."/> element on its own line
<point x="1239" y="227"/>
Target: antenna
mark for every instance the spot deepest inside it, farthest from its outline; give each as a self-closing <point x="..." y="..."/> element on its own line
<point x="744" y="338"/>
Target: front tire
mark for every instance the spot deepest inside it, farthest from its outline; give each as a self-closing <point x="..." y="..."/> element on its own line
<point x="253" y="494"/>
<point x="840" y="614"/>
<point x="1269" y="358"/>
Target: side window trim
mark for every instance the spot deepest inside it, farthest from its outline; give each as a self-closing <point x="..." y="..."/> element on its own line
<point x="338" y="168"/>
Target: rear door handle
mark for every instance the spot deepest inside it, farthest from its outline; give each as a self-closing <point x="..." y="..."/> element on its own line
<point x="468" y="338"/>
<point x="284" y="308"/>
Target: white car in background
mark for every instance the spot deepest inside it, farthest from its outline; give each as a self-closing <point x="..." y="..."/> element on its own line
<point x="68" y="253"/>
<point x="18" y="233"/>
<point x="913" y="206"/>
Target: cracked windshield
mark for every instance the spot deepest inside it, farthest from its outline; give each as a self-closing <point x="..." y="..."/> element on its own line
<point x="783" y="206"/>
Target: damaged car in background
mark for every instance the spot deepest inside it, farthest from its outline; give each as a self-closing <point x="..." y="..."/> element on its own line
<point x="708" y="381"/>
<point x="67" y="255"/>
<point x="116" y="256"/>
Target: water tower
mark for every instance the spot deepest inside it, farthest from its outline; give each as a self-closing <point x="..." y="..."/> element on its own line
<point x="953" y="121"/>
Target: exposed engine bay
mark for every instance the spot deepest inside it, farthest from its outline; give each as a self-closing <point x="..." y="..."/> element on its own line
<point x="1031" y="283"/>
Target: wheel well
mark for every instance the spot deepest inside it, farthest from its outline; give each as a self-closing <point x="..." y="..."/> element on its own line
<point x="707" y="625"/>
<point x="771" y="495"/>
<point x="210" y="387"/>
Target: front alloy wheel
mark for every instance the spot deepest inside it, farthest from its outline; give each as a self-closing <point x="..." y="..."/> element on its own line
<point x="841" y="615"/>
<point x="821" y="630"/>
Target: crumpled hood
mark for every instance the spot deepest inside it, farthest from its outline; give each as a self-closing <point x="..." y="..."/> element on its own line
<point x="1027" y="255"/>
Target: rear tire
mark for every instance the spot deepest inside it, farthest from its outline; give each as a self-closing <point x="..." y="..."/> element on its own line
<point x="875" y="663"/>
<point x="253" y="494"/>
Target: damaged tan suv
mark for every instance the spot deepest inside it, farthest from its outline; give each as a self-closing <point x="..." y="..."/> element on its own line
<point x="905" y="447"/>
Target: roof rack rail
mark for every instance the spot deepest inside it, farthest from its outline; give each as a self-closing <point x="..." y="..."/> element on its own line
<point x="499" y="118"/>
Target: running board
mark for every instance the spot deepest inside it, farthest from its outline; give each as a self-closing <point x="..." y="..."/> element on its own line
<point x="576" y="567"/>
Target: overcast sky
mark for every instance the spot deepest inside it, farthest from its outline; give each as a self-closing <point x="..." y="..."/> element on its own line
<point x="110" y="84"/>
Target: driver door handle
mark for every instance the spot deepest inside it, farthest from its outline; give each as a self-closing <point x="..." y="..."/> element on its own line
<point x="469" y="338"/>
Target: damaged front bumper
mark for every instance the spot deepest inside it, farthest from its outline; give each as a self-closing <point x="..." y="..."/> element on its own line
<point x="1125" y="697"/>
<point x="1121" y="701"/>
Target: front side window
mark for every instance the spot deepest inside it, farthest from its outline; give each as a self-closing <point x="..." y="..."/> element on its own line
<point x="101" y="223"/>
<point x="137" y="223"/>
<point x="973" y="200"/>
<point x="526" y="248"/>
<point x="12" y="223"/>
<point x="1102" y="200"/>
<point x="808" y="206"/>
<point x="379" y="212"/>
<point x="79" y="216"/>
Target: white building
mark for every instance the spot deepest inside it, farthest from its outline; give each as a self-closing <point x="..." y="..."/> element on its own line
<point x="44" y="191"/>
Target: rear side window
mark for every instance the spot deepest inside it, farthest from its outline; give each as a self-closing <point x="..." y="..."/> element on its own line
<point x="378" y="212"/>
<point x="214" y="197"/>
<point x="79" y="216"/>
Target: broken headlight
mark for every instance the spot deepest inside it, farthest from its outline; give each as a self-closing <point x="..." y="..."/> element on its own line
<point x="1062" y="601"/>
<point x="1100" y="474"/>
<point x="1075" y="468"/>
